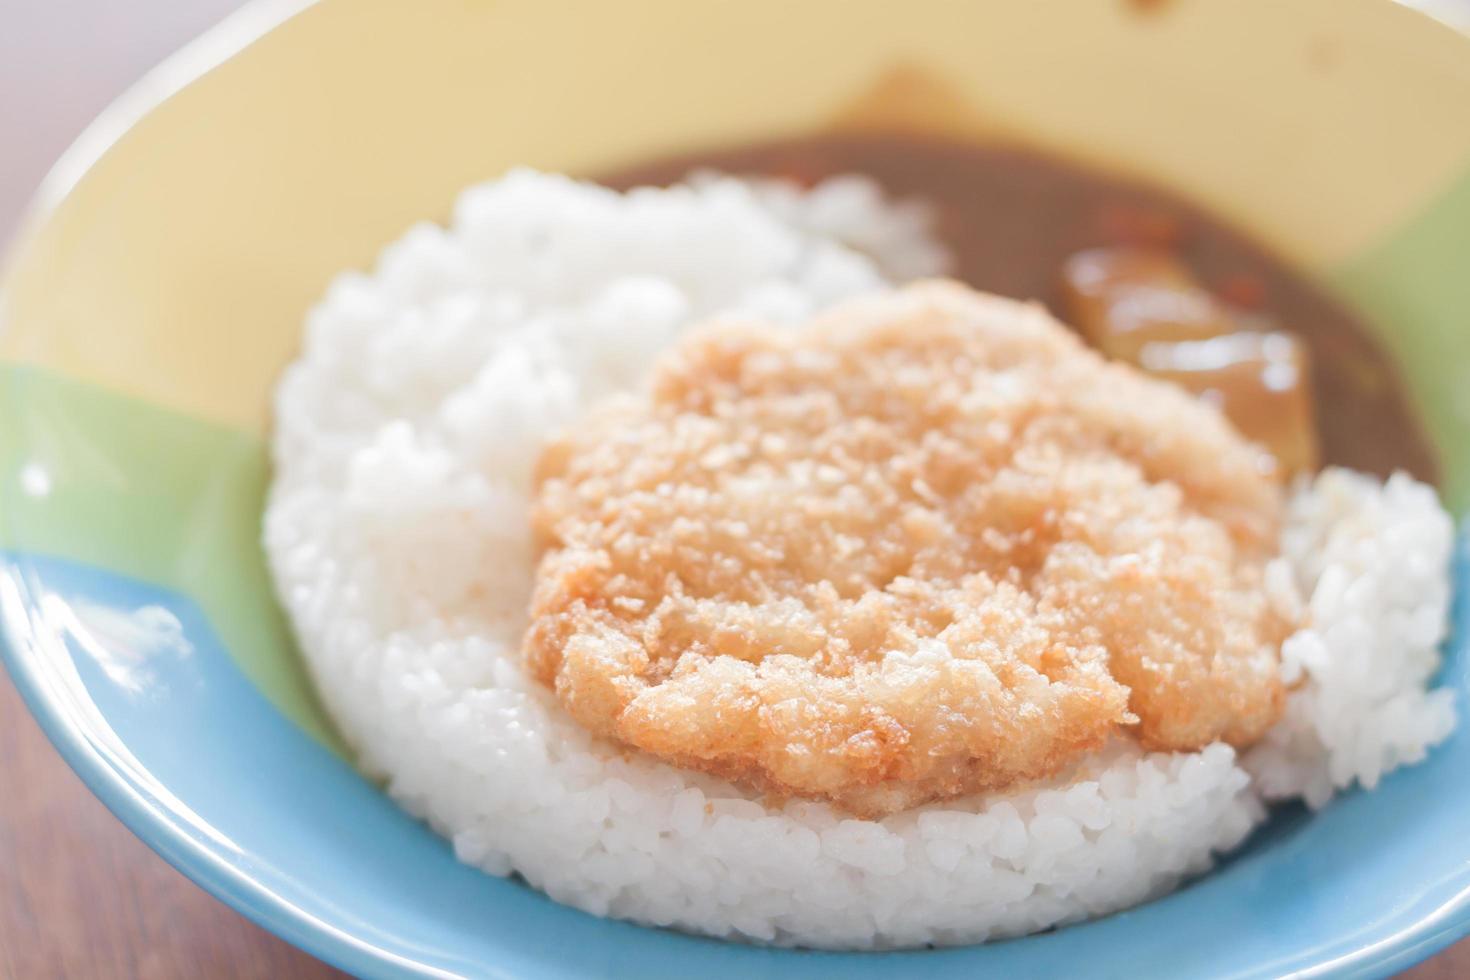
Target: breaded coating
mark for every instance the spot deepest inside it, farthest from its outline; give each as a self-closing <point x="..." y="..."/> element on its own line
<point x="927" y="545"/>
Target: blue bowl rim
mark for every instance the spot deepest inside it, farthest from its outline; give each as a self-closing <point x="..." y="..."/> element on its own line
<point x="186" y="854"/>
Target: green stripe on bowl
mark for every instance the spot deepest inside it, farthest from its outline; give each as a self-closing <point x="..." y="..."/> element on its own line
<point x="108" y="480"/>
<point x="1415" y="290"/>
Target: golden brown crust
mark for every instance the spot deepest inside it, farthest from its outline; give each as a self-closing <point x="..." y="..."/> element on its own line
<point x="926" y="546"/>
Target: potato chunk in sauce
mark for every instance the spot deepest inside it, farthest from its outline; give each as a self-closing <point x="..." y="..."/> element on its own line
<point x="1124" y="298"/>
<point x="1261" y="381"/>
<point x="1143" y="306"/>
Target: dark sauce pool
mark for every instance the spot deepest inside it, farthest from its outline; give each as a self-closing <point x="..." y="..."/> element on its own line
<point x="1011" y="218"/>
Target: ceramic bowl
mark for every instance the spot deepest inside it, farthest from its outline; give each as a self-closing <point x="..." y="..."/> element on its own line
<point x="161" y="281"/>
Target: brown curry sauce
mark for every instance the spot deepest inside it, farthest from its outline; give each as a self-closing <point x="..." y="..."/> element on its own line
<point x="1012" y="218"/>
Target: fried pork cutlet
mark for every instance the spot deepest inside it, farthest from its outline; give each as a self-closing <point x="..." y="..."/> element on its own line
<point x="927" y="545"/>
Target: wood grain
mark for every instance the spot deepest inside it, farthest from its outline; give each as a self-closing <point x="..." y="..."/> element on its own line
<point x="81" y="897"/>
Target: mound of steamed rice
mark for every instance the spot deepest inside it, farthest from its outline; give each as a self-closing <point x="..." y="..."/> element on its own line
<point x="397" y="532"/>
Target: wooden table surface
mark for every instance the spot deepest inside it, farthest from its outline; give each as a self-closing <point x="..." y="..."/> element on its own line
<point x="81" y="897"/>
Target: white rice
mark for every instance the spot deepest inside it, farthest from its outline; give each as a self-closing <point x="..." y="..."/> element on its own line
<point x="397" y="532"/>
